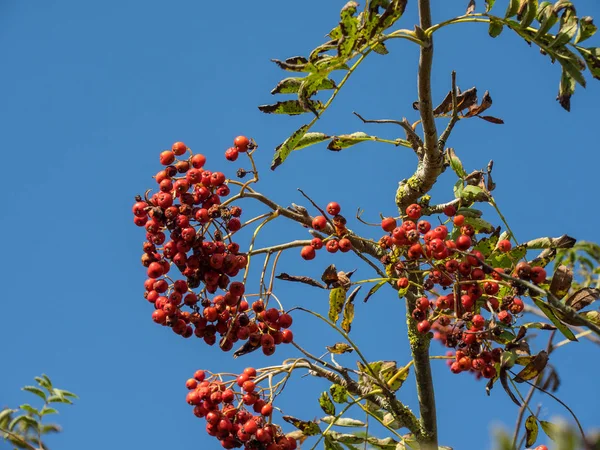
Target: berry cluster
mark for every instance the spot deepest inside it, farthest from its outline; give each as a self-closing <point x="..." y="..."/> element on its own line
<point x="456" y="318"/>
<point x="333" y="244"/>
<point x="235" y="425"/>
<point x="188" y="206"/>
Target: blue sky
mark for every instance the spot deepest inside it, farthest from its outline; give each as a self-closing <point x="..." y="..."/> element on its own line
<point x="93" y="91"/>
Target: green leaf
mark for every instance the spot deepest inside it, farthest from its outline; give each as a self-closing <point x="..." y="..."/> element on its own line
<point x="531" y="428"/>
<point x="326" y="404"/>
<point x="528" y="12"/>
<point x="456" y="164"/>
<point x="513" y="8"/>
<point x="28" y="420"/>
<point x="586" y="29"/>
<point x="36" y="391"/>
<point x="344" y="422"/>
<point x="374" y="289"/>
<point x="59" y="399"/>
<point x="30" y="409"/>
<point x="330" y="444"/>
<point x="347" y="140"/>
<point x="64" y="393"/>
<point x="472" y="193"/>
<point x="292" y="85"/>
<point x="480" y="225"/>
<point x="50" y="428"/>
<point x="293" y="64"/>
<point x="45" y="411"/>
<point x="489" y="4"/>
<point x="340" y="348"/>
<point x="338" y="393"/>
<point x="396" y="377"/>
<point x="308" y="428"/>
<point x="349" y="29"/>
<point x="458" y="188"/>
<point x="495" y="28"/>
<point x="592" y="59"/>
<point x="337" y="297"/>
<point x="284" y="149"/>
<point x="348" y="315"/>
<point x="592" y="316"/>
<point x="43" y="383"/>
<point x="567" y="30"/>
<point x="290" y="107"/>
<point x="551" y="430"/>
<point x="565" y="90"/>
<point x="549" y="313"/>
<point x="547" y="18"/>
<point x="5" y="413"/>
<point x="311" y="139"/>
<point x="505" y="260"/>
<point x="380" y="48"/>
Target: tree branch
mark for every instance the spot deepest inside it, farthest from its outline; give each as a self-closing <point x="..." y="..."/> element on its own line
<point x="358" y="243"/>
<point x="419" y="346"/>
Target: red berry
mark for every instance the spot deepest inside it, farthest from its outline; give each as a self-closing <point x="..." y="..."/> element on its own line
<point x="167" y="157"/>
<point x="505" y="317"/>
<point x="179" y="148"/>
<point x="267" y="410"/>
<point x="459" y="220"/>
<point x="488" y="372"/>
<point x="538" y="274"/>
<point x="541" y="447"/>
<point x="413" y="211"/>
<point x="463" y="242"/>
<point x="388" y="224"/>
<point x="250" y="372"/>
<point x="319" y="223"/>
<point x="308" y="252"/>
<point x="423" y="327"/>
<point x="332" y="246"/>
<point x="139" y="209"/>
<point x="450" y="210"/>
<point x="316" y="243"/>
<point x="249" y="385"/>
<point x="478" y="321"/>
<point x="199" y="375"/>
<point x="234" y="224"/>
<point x="287" y="336"/>
<point x="241" y="143"/>
<point x="402" y="283"/>
<point x="517" y="306"/>
<point x="198" y="161"/>
<point x="345" y="245"/>
<point x="333" y="208"/>
<point x="231" y="154"/>
<point x="504" y="245"/>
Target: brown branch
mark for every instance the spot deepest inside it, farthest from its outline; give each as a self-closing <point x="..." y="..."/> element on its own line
<point x="411" y="136"/>
<point x="446" y="133"/>
<point x="276" y="248"/>
<point x="424" y="82"/>
<point x="358" y="243"/>
<point x="18" y="438"/>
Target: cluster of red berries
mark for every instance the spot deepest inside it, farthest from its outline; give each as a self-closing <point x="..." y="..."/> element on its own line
<point x="235" y="425"/>
<point x="333" y="244"/>
<point x="457" y="321"/>
<point x="188" y="207"/>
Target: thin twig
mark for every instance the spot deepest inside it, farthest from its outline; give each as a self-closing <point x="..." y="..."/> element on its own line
<point x="411" y="136"/>
<point x="446" y="134"/>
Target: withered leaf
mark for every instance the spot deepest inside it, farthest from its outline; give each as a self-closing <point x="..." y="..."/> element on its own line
<point x="330" y="275"/>
<point x="582" y="298"/>
<point x="464" y="100"/>
<point x="552" y="381"/>
<point x="471" y="7"/>
<point x="339" y="348"/>
<point x="534" y="368"/>
<point x="308" y="428"/>
<point x="531" y="429"/>
<point x="300" y="279"/>
<point x="245" y="349"/>
<point x="492" y="119"/>
<point x="504" y="382"/>
<point x="475" y="109"/>
<point x="561" y="281"/>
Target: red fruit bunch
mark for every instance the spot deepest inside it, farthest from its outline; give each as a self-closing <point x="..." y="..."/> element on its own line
<point x="450" y="262"/>
<point x="237" y="412"/>
<point x="332" y="245"/>
<point x="188" y="228"/>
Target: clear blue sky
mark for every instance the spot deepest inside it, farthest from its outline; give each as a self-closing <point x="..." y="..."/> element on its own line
<point x="93" y="91"/>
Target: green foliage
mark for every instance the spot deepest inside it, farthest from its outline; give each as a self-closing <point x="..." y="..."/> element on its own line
<point x="24" y="428"/>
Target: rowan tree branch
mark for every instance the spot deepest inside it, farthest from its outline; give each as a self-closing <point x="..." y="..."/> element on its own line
<point x="361" y="245"/>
